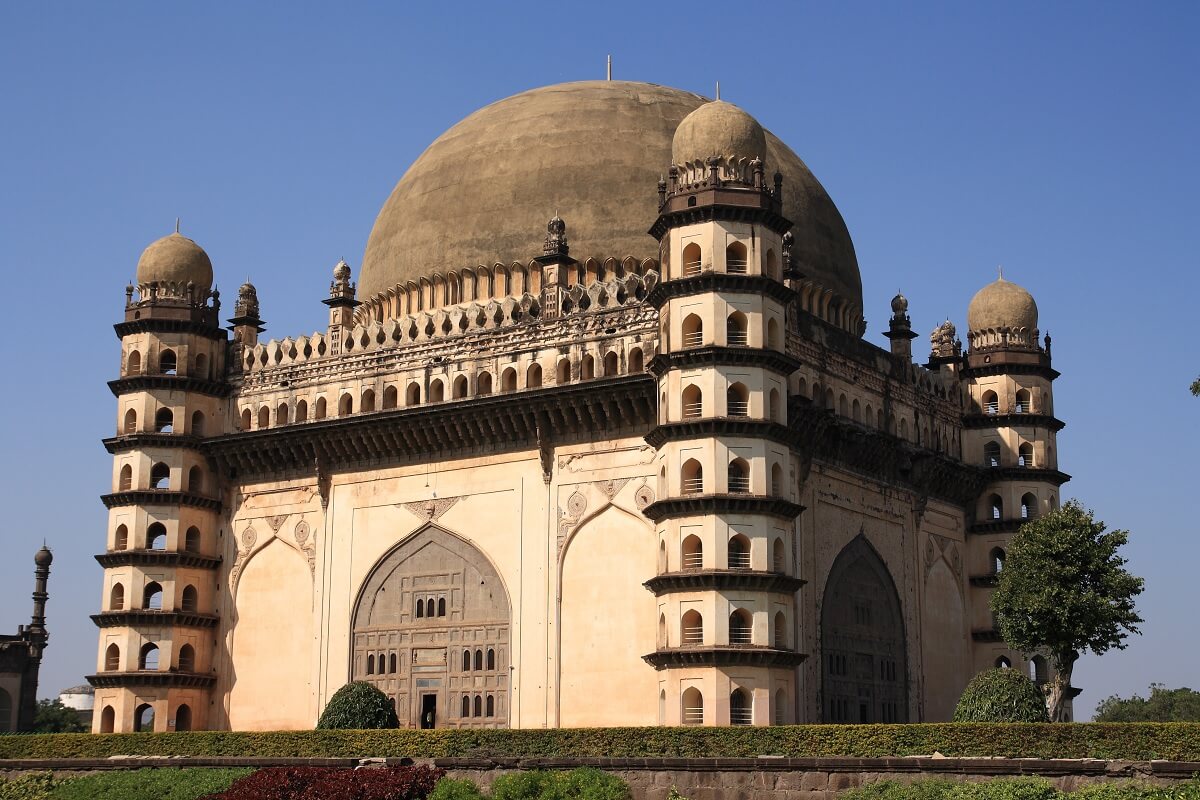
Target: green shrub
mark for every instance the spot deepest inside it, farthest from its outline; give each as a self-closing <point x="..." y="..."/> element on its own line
<point x="358" y="706"/>
<point x="35" y="786"/>
<point x="1001" y="695"/>
<point x="1019" y="789"/>
<point x="585" y="783"/>
<point x="453" y="789"/>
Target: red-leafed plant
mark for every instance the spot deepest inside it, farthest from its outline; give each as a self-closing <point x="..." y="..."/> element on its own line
<point x="327" y="783"/>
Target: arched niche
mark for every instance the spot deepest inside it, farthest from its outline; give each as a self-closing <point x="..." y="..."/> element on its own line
<point x="864" y="676"/>
<point x="947" y="656"/>
<point x="416" y="659"/>
<point x="603" y="630"/>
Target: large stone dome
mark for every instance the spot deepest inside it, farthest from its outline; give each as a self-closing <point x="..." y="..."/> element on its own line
<point x="593" y="151"/>
<point x="175" y="259"/>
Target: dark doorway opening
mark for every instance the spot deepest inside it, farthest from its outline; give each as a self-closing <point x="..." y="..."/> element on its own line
<point x="428" y="710"/>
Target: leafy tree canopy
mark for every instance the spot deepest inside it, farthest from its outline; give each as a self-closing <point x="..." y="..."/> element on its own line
<point x="1196" y="387"/>
<point x="52" y="716"/>
<point x="1001" y="695"/>
<point x="1163" y="705"/>
<point x="1064" y="590"/>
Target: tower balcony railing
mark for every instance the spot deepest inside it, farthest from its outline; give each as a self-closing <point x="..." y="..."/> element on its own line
<point x="691" y="268"/>
<point x="692" y="410"/>
<point x="693" y="715"/>
<point x="693" y="485"/>
<point x="738" y="408"/>
<point x="736" y="266"/>
<point x="694" y="339"/>
<point x="739" y="485"/>
<point x="991" y="408"/>
<point x="737" y="338"/>
<point x="740" y="636"/>
<point x="693" y="634"/>
<point x="1024" y="461"/>
<point x="740" y="716"/>
<point x="693" y="560"/>
<point x="739" y="561"/>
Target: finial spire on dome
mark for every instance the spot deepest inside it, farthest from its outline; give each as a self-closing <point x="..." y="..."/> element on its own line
<point x="718" y="90"/>
<point x="1000" y="269"/>
<point x="177" y="224"/>
<point x="608" y="73"/>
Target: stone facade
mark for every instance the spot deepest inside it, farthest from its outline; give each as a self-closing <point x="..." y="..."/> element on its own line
<point x="675" y="487"/>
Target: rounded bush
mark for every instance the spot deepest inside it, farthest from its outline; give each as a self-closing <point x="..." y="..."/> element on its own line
<point x="1001" y="695"/>
<point x="358" y="706"/>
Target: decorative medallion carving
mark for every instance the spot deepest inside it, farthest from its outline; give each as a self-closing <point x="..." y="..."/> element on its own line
<point x="612" y="488"/>
<point x="276" y="522"/>
<point x="643" y="497"/>
<point x="577" y="504"/>
<point x="309" y="548"/>
<point x="247" y="541"/>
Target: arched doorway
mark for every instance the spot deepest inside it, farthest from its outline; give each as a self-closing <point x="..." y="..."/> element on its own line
<point x="431" y="630"/>
<point x="863" y="664"/>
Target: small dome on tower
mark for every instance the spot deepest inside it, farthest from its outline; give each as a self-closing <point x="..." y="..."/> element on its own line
<point x="175" y="259"/>
<point x="341" y="271"/>
<point x="718" y="129"/>
<point x="1002" y="305"/>
<point x="899" y="304"/>
<point x="43" y="557"/>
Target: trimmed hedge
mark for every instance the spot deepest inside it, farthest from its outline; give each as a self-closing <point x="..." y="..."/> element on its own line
<point x="320" y="783"/>
<point x="1135" y="741"/>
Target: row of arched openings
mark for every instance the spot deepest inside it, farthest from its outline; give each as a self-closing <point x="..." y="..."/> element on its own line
<point x="152" y="598"/>
<point x="1028" y="509"/>
<point x="156" y="538"/>
<point x="736" y="260"/>
<point x="741" y="706"/>
<point x="436" y="392"/>
<point x="737" y="477"/>
<point x="478" y="706"/>
<point x="148" y="658"/>
<point x="1039" y="669"/>
<point x="991" y="454"/>
<point x="1022" y="402"/>
<point x="160" y="478"/>
<point x="741" y="629"/>
<point x="164" y="422"/>
<point x="143" y="718"/>
<point x="168" y="364"/>
<point x="737" y="402"/>
<point x="866" y="414"/>
<point x="478" y="660"/>
<point x="691" y="554"/>
<point x="430" y="607"/>
<point x="737" y="331"/>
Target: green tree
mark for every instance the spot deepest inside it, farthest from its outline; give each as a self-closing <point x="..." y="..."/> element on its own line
<point x="1163" y="705"/>
<point x="52" y="716"/>
<point x="1001" y="695"/>
<point x="1064" y="590"/>
<point x="1196" y="387"/>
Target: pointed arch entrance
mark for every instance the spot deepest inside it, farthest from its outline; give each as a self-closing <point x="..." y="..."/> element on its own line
<point x="431" y="630"/>
<point x="863" y="664"/>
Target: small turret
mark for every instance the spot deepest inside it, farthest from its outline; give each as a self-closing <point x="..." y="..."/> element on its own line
<point x="900" y="330"/>
<point x="341" y="302"/>
<point x="246" y="323"/>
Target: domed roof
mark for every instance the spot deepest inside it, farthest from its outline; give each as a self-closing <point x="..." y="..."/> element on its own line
<point x="593" y="150"/>
<point x="175" y="259"/>
<point x="1002" y="305"/>
<point x="718" y="129"/>
<point x="43" y="557"/>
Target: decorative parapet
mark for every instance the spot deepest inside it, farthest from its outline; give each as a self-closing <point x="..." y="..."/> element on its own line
<point x="446" y="323"/>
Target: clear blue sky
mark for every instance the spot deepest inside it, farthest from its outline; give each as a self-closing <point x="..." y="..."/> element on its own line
<point x="1057" y="139"/>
